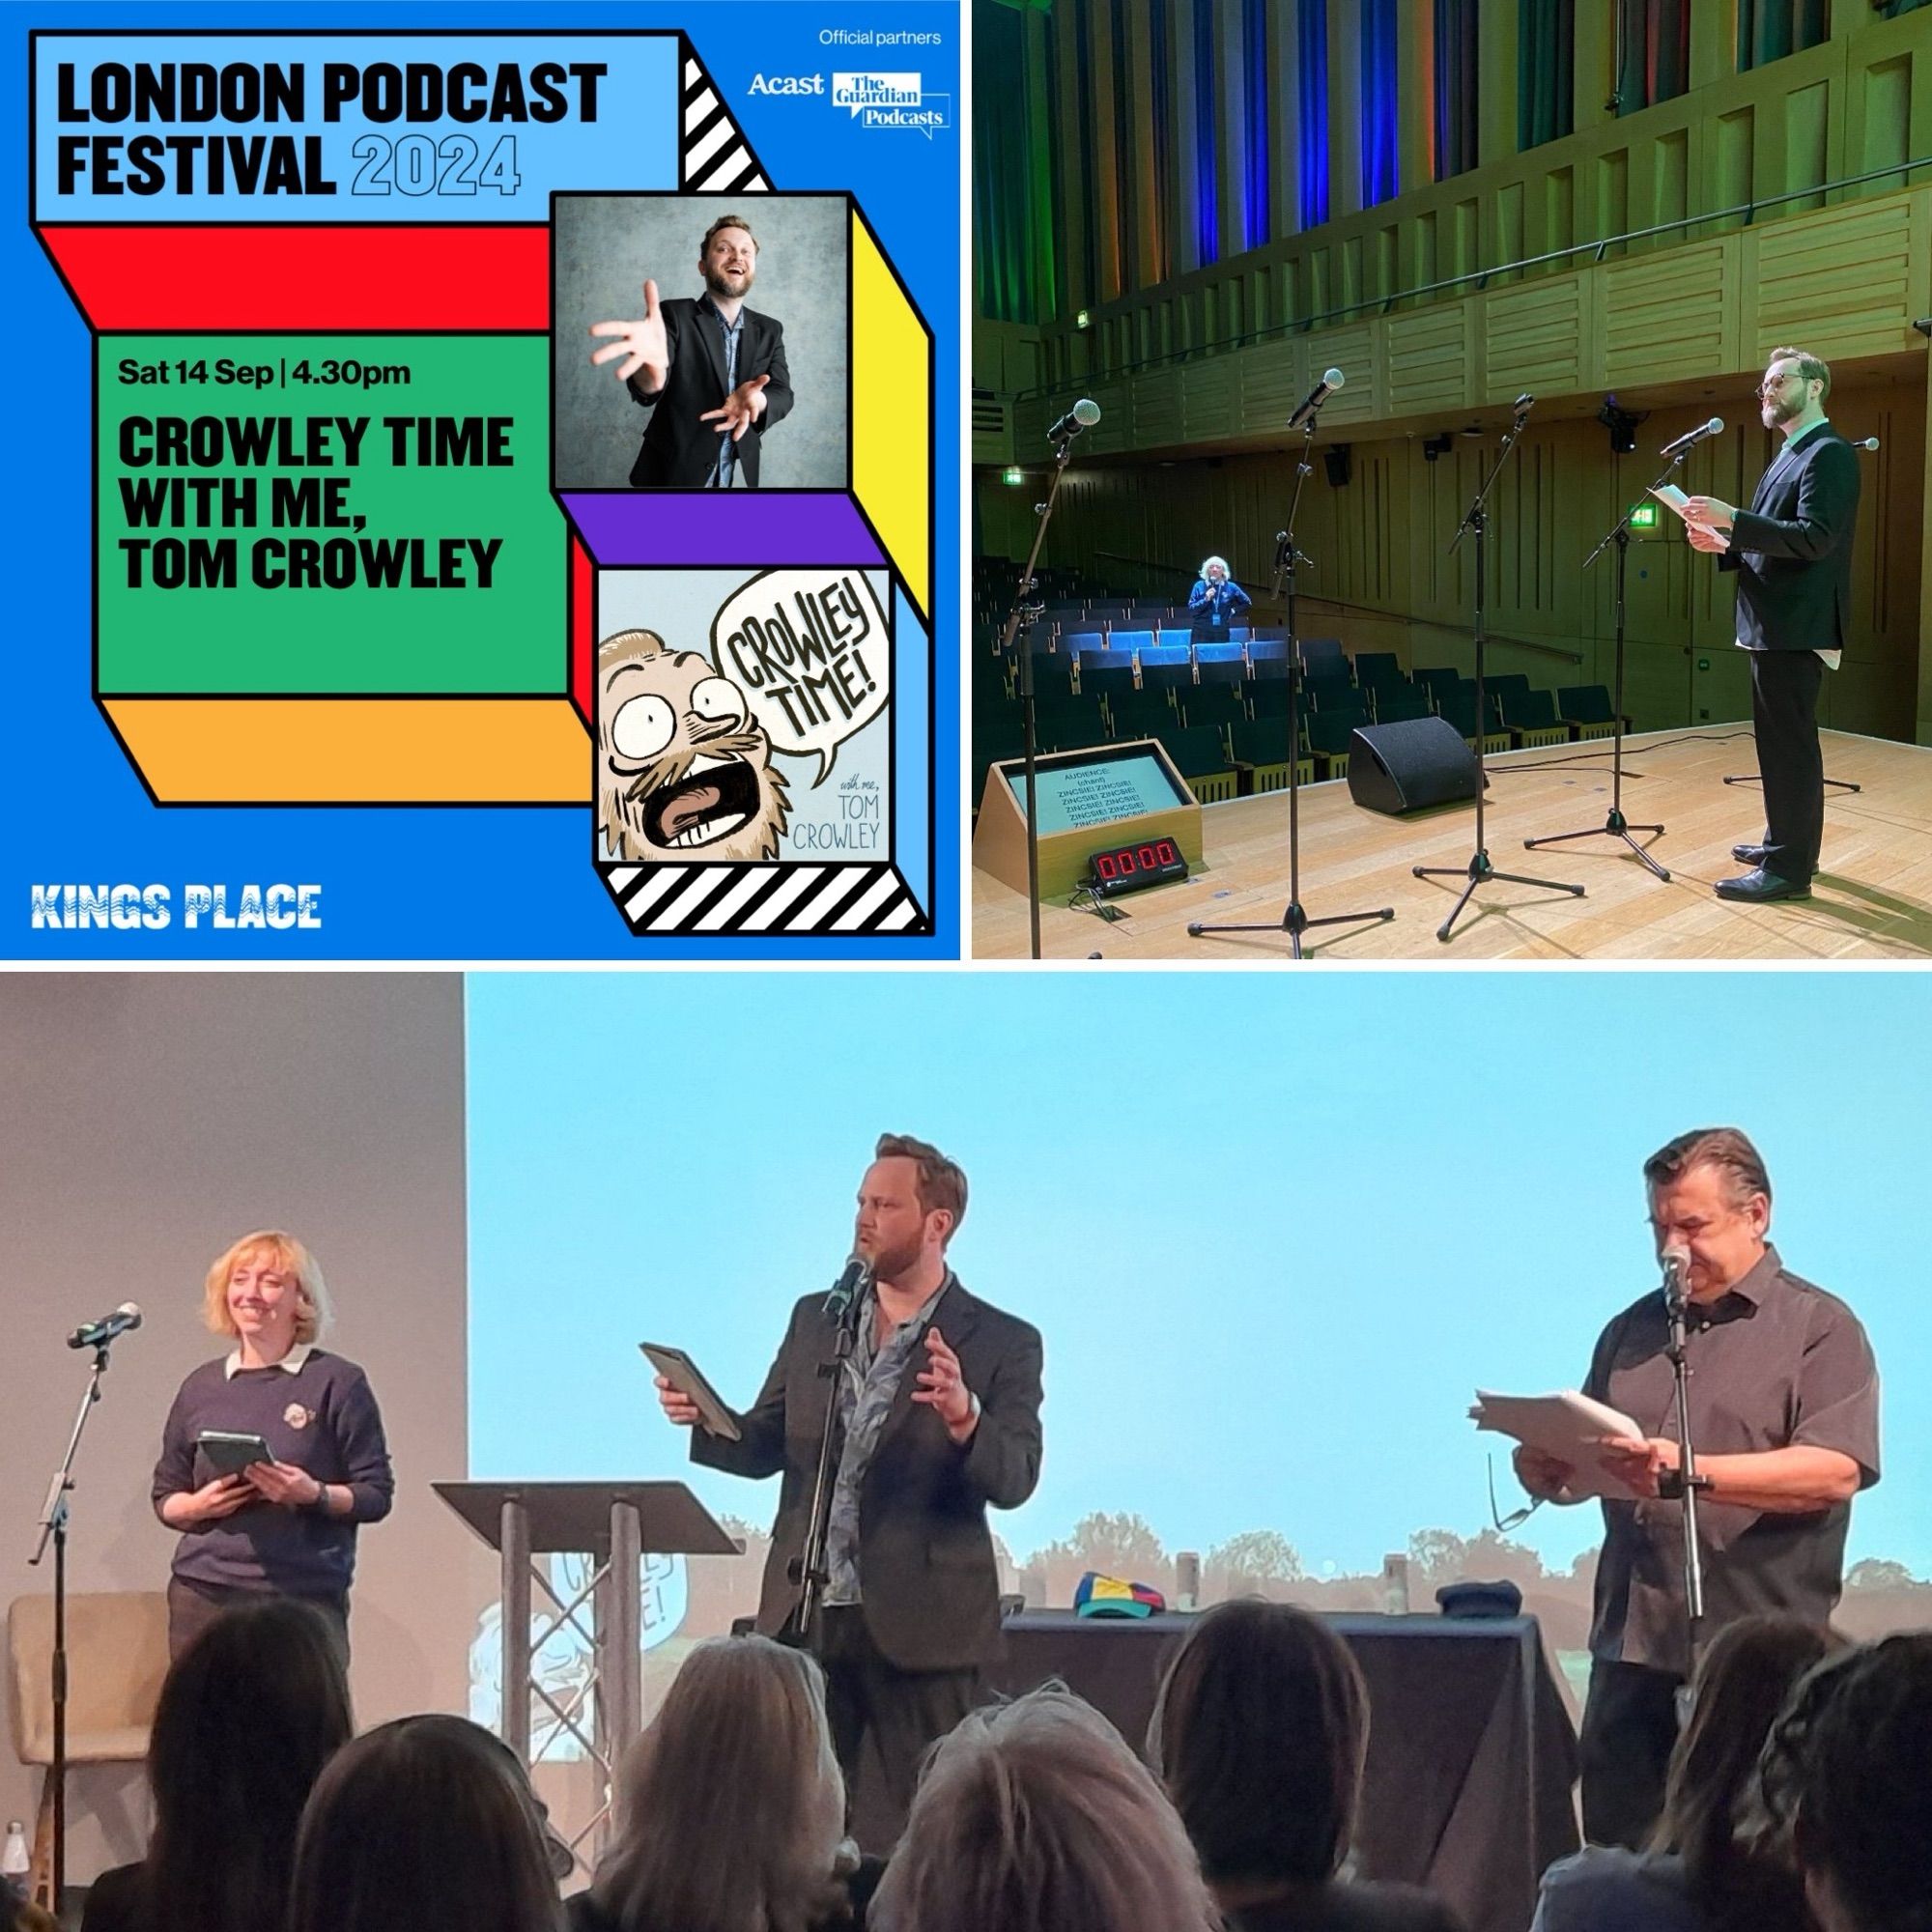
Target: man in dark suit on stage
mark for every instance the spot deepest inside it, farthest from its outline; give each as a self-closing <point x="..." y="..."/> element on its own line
<point x="711" y="371"/>
<point x="1791" y="551"/>
<point x="938" y="1416"/>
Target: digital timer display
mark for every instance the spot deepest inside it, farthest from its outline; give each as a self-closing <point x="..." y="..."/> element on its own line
<point x="1126" y="868"/>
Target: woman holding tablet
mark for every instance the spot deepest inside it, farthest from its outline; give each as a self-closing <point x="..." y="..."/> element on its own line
<point x="297" y="1433"/>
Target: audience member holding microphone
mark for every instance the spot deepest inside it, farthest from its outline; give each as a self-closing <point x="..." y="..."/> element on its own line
<point x="284" y="1525"/>
<point x="1216" y="600"/>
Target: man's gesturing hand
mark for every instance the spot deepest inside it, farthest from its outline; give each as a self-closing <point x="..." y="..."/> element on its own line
<point x="676" y="1405"/>
<point x="742" y="408"/>
<point x="641" y="343"/>
<point x="942" y="1387"/>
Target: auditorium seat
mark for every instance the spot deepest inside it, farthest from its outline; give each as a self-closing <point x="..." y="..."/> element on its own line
<point x="1395" y="702"/>
<point x="1069" y="723"/>
<point x="1532" y="719"/>
<point x="1261" y="755"/>
<point x="1141" y="714"/>
<point x="1586" y="709"/>
<point x="1329" y="736"/>
<point x="1216" y="704"/>
<point x="1218" y="669"/>
<point x="1109" y="681"/>
<point x="1200" y="754"/>
<point x="1379" y="671"/>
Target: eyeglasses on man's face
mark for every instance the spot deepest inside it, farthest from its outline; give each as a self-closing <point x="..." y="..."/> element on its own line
<point x="1771" y="386"/>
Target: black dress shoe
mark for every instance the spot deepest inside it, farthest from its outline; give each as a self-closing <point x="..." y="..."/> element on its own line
<point x="1758" y="886"/>
<point x="1749" y="855"/>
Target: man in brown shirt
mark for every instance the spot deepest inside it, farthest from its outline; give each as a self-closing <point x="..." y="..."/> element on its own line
<point x="1784" y="1421"/>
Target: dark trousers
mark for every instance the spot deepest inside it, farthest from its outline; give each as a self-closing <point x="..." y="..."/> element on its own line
<point x="194" y="1606"/>
<point x="1784" y="715"/>
<point x="1630" y="1726"/>
<point x="902" y="1712"/>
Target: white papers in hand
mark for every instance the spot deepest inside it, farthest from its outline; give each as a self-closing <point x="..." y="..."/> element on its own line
<point x="1567" y="1424"/>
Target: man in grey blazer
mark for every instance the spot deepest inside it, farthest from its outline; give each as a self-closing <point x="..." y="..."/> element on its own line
<point x="1791" y="551"/>
<point x="938" y="1419"/>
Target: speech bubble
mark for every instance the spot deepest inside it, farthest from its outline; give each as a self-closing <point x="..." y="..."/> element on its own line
<point x="811" y="652"/>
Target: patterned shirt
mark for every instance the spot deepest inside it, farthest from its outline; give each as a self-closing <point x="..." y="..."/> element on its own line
<point x="866" y="1393"/>
<point x="723" y="475"/>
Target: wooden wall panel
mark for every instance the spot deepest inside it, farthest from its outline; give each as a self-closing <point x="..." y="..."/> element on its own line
<point x="1534" y="338"/>
<point x="1430" y="358"/>
<point x="1841" y="284"/>
<point x="1208" y="397"/>
<point x="1665" y="314"/>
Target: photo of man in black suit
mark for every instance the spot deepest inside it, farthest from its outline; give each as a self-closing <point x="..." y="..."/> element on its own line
<point x="1791" y="551"/>
<point x="711" y="371"/>
<point x="938" y="1419"/>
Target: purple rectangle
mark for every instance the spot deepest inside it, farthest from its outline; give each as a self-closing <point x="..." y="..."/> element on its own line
<point x="761" y="528"/>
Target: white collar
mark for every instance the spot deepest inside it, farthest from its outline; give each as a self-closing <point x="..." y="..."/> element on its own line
<point x="291" y="1362"/>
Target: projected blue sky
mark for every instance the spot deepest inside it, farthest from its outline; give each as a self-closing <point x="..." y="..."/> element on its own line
<point x="1275" y="1228"/>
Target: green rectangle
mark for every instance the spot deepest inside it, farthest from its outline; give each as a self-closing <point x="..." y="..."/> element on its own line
<point x="260" y="635"/>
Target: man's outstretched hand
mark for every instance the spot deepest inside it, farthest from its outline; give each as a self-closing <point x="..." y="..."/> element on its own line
<point x="641" y="343"/>
<point x="742" y="408"/>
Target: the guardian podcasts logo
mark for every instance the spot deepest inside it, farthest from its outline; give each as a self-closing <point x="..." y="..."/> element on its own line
<point x="891" y="100"/>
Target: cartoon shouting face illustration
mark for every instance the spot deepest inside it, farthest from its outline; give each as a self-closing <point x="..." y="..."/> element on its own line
<point x="684" y="771"/>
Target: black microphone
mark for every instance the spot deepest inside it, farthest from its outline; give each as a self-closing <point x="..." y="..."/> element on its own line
<point x="1084" y="414"/>
<point x="856" y="1279"/>
<point x="1331" y="381"/>
<point x="1715" y="427"/>
<point x="1676" y="1276"/>
<point x="97" y="1334"/>
<point x="1522" y="403"/>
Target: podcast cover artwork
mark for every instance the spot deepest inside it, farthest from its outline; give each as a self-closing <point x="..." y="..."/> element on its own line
<point x="448" y="438"/>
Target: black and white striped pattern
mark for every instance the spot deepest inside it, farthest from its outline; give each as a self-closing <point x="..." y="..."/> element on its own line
<point x="715" y="158"/>
<point x="774" y="898"/>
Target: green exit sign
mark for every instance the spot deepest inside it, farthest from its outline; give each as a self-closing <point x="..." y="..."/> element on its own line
<point x="1013" y="477"/>
<point x="1644" y="517"/>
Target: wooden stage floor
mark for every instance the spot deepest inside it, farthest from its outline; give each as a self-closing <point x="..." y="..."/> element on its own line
<point x="1871" y="901"/>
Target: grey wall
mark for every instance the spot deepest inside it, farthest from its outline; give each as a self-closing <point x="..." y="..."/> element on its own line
<point x="148" y="1119"/>
<point x="605" y="245"/>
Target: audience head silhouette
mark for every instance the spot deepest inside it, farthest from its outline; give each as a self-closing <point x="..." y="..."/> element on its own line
<point x="730" y="1807"/>
<point x="424" y="1825"/>
<point x="1036" y="1817"/>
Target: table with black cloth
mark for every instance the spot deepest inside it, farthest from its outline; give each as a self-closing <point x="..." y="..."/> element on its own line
<point x="1472" y="1756"/>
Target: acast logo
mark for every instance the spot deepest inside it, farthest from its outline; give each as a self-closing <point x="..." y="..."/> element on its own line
<point x="786" y="83"/>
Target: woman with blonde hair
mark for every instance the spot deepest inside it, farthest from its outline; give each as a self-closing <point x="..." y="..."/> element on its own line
<point x="284" y="1525"/>
<point x="1035" y="1816"/>
<point x="730" y="1807"/>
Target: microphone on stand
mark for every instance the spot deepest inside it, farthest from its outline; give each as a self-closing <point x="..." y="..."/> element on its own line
<point x="1715" y="427"/>
<point x="1331" y="381"/>
<point x="1084" y="414"/>
<point x="1869" y="442"/>
<point x="96" y="1335"/>
<point x="853" y="1281"/>
<point x="1676" y="1276"/>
